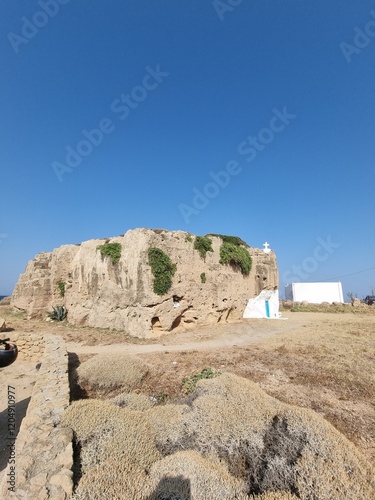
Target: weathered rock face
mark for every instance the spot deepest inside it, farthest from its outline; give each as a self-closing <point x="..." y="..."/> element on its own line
<point x="3" y="325"/>
<point x="120" y="296"/>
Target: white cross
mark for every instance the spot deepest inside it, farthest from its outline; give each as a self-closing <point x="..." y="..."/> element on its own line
<point x="266" y="248"/>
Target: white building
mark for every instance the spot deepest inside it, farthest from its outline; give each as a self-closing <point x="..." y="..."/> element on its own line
<point x="315" y="293"/>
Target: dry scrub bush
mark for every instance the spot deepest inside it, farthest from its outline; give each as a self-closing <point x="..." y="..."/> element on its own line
<point x="276" y="495"/>
<point x="88" y="417"/>
<point x="329" y="465"/>
<point x="231" y="438"/>
<point x="219" y="412"/>
<point x="106" y="432"/>
<point x="270" y="445"/>
<point x="188" y="475"/>
<point x="112" y="480"/>
<point x="105" y="371"/>
<point x="168" y="427"/>
<point x="133" y="401"/>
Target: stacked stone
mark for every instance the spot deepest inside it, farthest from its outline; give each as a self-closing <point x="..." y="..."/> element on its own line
<point x="30" y="346"/>
<point x="44" y="450"/>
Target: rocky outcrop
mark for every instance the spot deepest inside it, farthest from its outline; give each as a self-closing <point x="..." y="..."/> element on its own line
<point x="100" y="293"/>
<point x="3" y="325"/>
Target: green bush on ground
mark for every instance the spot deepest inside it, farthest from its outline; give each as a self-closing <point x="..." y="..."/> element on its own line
<point x="59" y="313"/>
<point x="189" y="383"/>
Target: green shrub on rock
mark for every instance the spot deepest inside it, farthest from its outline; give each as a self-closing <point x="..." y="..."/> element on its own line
<point x="162" y="268"/>
<point x="237" y="256"/>
<point x="203" y="244"/>
<point x="61" y="287"/>
<point x="113" y="250"/>
<point x="236" y="240"/>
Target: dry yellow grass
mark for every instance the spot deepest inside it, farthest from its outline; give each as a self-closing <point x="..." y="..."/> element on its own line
<point x="108" y="372"/>
<point x="338" y="358"/>
<point x="326" y="307"/>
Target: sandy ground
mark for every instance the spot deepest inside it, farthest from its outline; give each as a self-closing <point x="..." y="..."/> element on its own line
<point x="210" y="337"/>
<point x="239" y="334"/>
<point x="20" y="378"/>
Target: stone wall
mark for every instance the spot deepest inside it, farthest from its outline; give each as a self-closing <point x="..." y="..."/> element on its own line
<point x="44" y="450"/>
<point x="30" y="346"/>
<point x="99" y="293"/>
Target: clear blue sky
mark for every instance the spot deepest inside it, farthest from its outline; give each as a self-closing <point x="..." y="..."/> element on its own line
<point x="182" y="91"/>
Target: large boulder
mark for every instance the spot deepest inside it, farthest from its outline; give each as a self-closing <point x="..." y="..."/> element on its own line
<point x="100" y="293"/>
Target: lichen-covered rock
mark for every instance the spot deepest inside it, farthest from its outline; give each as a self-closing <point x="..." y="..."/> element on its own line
<point x="100" y="293"/>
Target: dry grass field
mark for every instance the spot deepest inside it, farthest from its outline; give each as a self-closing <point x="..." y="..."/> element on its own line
<point x="327" y="366"/>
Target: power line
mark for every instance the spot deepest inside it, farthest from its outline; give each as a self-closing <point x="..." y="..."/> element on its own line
<point x="351" y="274"/>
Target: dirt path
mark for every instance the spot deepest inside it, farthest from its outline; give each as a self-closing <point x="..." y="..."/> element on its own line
<point x="18" y="379"/>
<point x="228" y="335"/>
<point x="241" y="333"/>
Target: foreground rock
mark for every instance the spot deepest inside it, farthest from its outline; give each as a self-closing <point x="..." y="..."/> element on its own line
<point x="5" y="301"/>
<point x="100" y="293"/>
